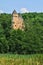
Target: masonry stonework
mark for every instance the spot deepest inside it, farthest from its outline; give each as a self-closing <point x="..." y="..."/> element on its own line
<point x="17" y="21"/>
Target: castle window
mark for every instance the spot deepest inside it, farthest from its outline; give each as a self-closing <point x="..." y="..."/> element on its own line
<point x="14" y="16"/>
<point x="15" y="25"/>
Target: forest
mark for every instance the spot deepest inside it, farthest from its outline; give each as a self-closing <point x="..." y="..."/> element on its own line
<point x="29" y="41"/>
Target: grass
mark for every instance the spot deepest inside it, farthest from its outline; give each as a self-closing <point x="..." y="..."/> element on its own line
<point x="12" y="59"/>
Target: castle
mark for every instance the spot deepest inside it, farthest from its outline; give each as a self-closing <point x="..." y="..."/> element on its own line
<point x="17" y="21"/>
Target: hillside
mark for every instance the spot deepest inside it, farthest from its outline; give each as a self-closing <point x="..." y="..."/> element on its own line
<point x="22" y="42"/>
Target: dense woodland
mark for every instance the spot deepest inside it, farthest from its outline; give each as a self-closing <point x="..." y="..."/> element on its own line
<point x="29" y="41"/>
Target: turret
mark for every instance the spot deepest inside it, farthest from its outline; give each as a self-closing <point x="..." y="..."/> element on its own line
<point x="17" y="21"/>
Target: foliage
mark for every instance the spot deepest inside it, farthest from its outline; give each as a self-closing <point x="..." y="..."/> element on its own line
<point x="22" y="42"/>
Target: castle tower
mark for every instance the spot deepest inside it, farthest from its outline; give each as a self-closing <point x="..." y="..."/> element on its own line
<point x="17" y="21"/>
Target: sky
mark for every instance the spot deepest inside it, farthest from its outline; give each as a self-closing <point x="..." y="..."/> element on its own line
<point x="22" y="6"/>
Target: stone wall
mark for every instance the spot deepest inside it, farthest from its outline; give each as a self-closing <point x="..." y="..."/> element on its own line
<point x="17" y="22"/>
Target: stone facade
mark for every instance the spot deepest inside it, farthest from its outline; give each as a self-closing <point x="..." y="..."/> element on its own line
<point x="17" y="21"/>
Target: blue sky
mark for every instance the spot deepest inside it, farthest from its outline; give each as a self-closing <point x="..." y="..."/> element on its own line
<point x="21" y="5"/>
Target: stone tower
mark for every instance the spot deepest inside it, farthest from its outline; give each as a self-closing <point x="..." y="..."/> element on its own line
<point x="17" y="21"/>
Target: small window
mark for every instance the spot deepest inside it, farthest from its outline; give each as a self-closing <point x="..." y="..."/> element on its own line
<point x="15" y="25"/>
<point x="15" y="16"/>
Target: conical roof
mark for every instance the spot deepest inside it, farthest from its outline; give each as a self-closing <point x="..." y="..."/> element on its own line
<point x="14" y="12"/>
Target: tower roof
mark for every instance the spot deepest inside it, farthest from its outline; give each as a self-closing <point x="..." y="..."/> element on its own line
<point x="14" y="12"/>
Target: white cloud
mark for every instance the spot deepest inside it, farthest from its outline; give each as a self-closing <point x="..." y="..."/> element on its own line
<point x="1" y="11"/>
<point x="24" y="10"/>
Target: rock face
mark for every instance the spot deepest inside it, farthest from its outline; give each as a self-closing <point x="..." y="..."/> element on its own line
<point x="17" y="21"/>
